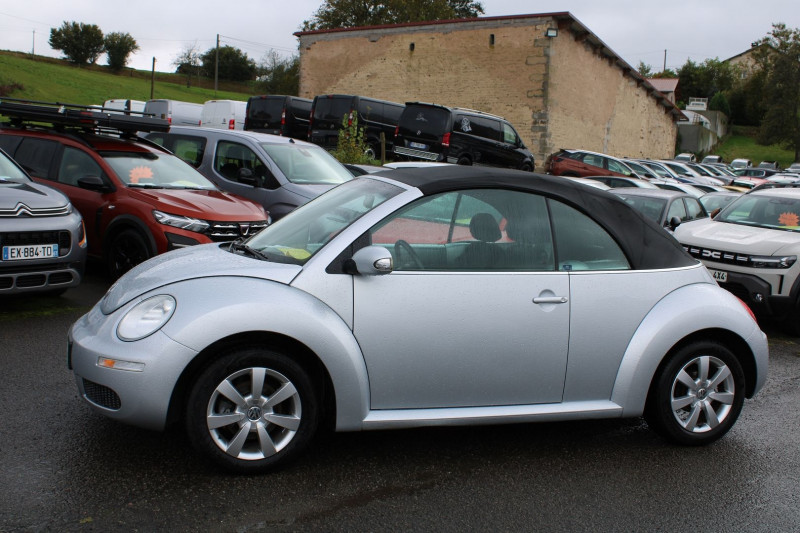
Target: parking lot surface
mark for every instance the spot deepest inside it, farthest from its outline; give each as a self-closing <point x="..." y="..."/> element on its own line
<point x="65" y="468"/>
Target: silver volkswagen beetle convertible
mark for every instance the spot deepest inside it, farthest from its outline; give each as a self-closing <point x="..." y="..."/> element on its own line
<point x="418" y="297"/>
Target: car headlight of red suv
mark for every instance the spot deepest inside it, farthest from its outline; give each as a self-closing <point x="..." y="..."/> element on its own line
<point x="176" y="221"/>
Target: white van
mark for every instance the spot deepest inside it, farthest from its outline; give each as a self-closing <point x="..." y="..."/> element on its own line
<point x="176" y="112"/>
<point x="121" y="105"/>
<point x="224" y="114"/>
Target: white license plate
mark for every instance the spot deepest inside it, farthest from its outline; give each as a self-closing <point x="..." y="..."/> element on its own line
<point x="21" y="253"/>
<point x="418" y="146"/>
<point x="719" y="275"/>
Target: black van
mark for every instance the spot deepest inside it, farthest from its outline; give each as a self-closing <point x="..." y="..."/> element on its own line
<point x="433" y="132"/>
<point x="278" y="114"/>
<point x="375" y="116"/>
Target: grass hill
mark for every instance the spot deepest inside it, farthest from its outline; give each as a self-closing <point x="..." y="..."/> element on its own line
<point x="742" y="143"/>
<point x="54" y="80"/>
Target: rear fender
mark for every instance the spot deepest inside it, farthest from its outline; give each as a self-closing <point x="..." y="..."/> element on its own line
<point x="696" y="309"/>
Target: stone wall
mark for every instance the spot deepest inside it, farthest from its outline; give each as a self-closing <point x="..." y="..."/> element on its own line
<point x="555" y="91"/>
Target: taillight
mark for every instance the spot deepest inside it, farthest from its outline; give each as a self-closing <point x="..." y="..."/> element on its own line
<point x="446" y="140"/>
<point x="747" y="308"/>
<point x="231" y="124"/>
<point x="283" y="122"/>
<point x="169" y="120"/>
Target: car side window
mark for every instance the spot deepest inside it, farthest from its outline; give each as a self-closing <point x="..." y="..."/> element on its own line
<point x="509" y="134"/>
<point x="482" y="230"/>
<point x="190" y="148"/>
<point x="694" y="209"/>
<point x="581" y="243"/>
<point x="616" y="166"/>
<point x="677" y="209"/>
<point x="231" y="157"/>
<point x="36" y="156"/>
<point x="594" y="160"/>
<point x="76" y="164"/>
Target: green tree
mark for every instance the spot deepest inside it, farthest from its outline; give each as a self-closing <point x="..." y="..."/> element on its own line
<point x="234" y="65"/>
<point x="781" y="63"/>
<point x="279" y="75"/>
<point x="189" y="63"/>
<point x="645" y="70"/>
<point x="706" y="79"/>
<point x="81" y="43"/>
<point x="747" y="100"/>
<point x="353" y="13"/>
<point x="720" y="103"/>
<point x="118" y="47"/>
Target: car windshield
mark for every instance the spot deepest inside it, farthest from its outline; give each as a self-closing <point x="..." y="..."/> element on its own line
<point x="307" y="164"/>
<point x="776" y="212"/>
<point x="9" y="172"/>
<point x="652" y="208"/>
<point x="299" y="235"/>
<point x="716" y="201"/>
<point x="149" y="170"/>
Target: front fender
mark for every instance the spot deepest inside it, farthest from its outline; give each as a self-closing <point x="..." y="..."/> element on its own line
<point x="212" y="309"/>
<point x="684" y="312"/>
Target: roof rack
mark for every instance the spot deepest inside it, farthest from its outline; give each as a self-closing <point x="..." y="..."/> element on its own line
<point x="79" y="116"/>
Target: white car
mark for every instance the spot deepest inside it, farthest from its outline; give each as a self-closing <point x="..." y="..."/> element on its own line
<point x="751" y="248"/>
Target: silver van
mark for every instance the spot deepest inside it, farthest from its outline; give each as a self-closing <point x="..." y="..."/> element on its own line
<point x="279" y="173"/>
<point x="176" y="112"/>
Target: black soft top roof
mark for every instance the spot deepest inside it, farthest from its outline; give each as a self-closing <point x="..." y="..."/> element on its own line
<point x="645" y="243"/>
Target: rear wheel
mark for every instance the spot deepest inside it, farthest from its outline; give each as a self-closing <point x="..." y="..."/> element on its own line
<point x="697" y="395"/>
<point x="527" y="167"/>
<point x="126" y="250"/>
<point x="464" y="160"/>
<point x="252" y="410"/>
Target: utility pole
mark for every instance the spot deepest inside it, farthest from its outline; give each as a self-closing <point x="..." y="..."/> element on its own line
<point x="153" y="78"/>
<point x="33" y="44"/>
<point x="216" y="68"/>
<point x="665" y="62"/>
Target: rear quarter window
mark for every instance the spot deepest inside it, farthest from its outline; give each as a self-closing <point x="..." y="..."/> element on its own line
<point x="36" y="156"/>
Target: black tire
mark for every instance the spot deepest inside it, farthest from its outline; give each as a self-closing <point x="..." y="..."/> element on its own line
<point x="527" y="167"/>
<point x="697" y="394"/>
<point x="273" y="433"/>
<point x="372" y="151"/>
<point x="126" y="250"/>
<point x="464" y="160"/>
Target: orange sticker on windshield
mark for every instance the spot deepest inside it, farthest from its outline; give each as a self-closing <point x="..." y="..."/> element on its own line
<point x="140" y="173"/>
<point x="789" y="219"/>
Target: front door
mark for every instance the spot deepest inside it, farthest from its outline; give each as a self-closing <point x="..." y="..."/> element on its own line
<point x="474" y="312"/>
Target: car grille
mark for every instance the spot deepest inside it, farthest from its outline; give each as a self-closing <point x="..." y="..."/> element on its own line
<point x="419" y="154"/>
<point x="31" y="276"/>
<point x="22" y="210"/>
<point x="230" y="231"/>
<point x="101" y="395"/>
<point x="63" y="238"/>
<point x="719" y="256"/>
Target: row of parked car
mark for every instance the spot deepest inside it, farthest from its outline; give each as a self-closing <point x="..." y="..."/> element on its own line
<point x="406" y="131"/>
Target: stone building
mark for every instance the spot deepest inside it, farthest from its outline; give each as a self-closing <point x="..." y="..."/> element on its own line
<point x="552" y="78"/>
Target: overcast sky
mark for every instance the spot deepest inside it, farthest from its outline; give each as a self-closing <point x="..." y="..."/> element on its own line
<point x="637" y="30"/>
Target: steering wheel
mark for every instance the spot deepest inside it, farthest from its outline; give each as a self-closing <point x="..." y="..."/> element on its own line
<point x="409" y="251"/>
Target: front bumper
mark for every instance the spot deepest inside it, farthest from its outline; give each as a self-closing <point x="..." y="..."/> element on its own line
<point x="756" y="293"/>
<point x="140" y="398"/>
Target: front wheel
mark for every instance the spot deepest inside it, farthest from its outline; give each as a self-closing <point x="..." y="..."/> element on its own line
<point x="252" y="410"/>
<point x="697" y="395"/>
<point x="126" y="250"/>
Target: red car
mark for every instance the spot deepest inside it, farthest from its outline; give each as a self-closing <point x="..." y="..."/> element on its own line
<point x="136" y="198"/>
<point x="580" y="163"/>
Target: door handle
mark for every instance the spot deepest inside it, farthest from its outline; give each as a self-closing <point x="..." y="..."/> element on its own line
<point x="550" y="300"/>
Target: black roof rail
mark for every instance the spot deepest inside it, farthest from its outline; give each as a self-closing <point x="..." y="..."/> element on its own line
<point x="80" y="116"/>
<point x="775" y="185"/>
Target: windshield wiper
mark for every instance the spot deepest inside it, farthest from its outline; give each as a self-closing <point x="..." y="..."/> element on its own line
<point x="145" y="185"/>
<point x="239" y="246"/>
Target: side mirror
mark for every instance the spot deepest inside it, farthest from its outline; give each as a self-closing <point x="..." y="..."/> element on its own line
<point x="370" y="261"/>
<point x="674" y="222"/>
<point x="92" y="183"/>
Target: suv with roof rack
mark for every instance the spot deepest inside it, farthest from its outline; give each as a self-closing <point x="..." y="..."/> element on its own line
<point x="430" y="132"/>
<point x="751" y="248"/>
<point x="137" y="199"/>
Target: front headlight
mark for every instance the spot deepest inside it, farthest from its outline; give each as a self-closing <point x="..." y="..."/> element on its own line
<point x="771" y="261"/>
<point x="146" y="317"/>
<point x="187" y="223"/>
